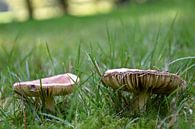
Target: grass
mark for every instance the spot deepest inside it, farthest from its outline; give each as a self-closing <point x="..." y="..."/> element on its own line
<point x="140" y="36"/>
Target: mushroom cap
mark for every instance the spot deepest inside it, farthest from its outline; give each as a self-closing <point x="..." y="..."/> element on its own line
<point x="51" y="86"/>
<point x="136" y="80"/>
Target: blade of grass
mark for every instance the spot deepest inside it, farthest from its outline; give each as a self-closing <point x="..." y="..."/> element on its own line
<point x="181" y="59"/>
<point x="27" y="70"/>
<point x="154" y="49"/>
<point x="65" y="122"/>
<point x="95" y="64"/>
<point x="187" y="69"/>
<point x="50" y="56"/>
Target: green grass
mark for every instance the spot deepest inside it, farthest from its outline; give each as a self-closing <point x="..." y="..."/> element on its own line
<point x="148" y="36"/>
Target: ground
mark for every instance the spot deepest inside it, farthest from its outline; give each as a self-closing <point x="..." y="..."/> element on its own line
<point x="148" y="36"/>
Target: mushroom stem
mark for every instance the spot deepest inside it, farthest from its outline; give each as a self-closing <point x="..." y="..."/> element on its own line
<point x="140" y="101"/>
<point x="49" y="103"/>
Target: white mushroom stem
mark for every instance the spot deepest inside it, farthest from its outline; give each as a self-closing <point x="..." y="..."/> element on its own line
<point x="49" y="103"/>
<point x="140" y="100"/>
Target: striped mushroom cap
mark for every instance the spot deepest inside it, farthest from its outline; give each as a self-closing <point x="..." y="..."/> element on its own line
<point x="135" y="80"/>
<point x="52" y="86"/>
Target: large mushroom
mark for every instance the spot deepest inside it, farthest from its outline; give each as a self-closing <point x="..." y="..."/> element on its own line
<point x="47" y="88"/>
<point x="142" y="83"/>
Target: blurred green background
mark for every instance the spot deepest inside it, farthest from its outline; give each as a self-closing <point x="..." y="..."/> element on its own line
<point x="21" y="10"/>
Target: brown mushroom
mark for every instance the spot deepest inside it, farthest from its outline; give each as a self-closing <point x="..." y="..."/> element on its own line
<point x="142" y="83"/>
<point x="49" y="87"/>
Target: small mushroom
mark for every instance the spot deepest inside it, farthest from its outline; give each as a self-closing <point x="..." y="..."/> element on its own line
<point x="47" y="88"/>
<point x="142" y="83"/>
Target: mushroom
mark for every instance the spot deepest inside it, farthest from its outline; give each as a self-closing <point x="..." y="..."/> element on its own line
<point x="47" y="88"/>
<point x="142" y="83"/>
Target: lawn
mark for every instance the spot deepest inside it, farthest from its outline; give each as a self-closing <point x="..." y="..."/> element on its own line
<point x="158" y="35"/>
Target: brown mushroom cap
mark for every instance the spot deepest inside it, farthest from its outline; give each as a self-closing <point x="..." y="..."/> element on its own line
<point x="135" y="80"/>
<point x="51" y="86"/>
